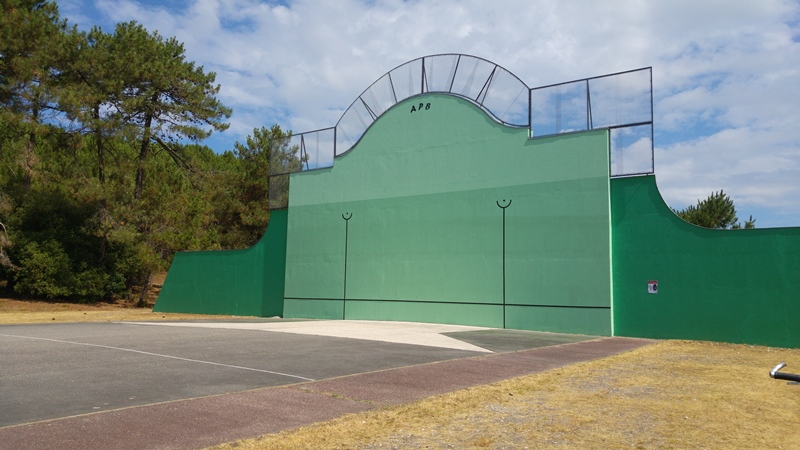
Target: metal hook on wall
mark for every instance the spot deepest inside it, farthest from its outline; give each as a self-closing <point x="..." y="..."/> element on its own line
<point x="504" y="255"/>
<point x="346" y="217"/>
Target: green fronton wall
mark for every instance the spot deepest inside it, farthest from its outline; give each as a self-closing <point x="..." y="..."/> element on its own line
<point x="740" y="286"/>
<point x="236" y="282"/>
<point x="424" y="239"/>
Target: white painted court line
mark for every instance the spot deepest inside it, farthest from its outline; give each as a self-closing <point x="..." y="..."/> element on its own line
<point x="159" y="355"/>
<point x="427" y="334"/>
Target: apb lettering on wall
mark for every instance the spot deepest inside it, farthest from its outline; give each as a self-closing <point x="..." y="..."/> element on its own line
<point x="420" y="107"/>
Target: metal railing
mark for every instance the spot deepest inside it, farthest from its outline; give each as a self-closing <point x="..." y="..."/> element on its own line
<point x="620" y="102"/>
<point x="499" y="92"/>
<point x="295" y="153"/>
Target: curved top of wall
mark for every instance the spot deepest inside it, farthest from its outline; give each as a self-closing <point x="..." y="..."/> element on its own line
<point x="496" y="90"/>
<point x="621" y="102"/>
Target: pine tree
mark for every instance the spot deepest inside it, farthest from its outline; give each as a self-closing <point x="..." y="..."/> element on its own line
<point x="91" y="83"/>
<point x="166" y="97"/>
<point x="83" y="117"/>
<point x="265" y="152"/>
<point x="30" y="37"/>
<point x="717" y="211"/>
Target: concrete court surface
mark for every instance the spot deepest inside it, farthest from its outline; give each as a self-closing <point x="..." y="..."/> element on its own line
<point x="57" y="370"/>
<point x="70" y="371"/>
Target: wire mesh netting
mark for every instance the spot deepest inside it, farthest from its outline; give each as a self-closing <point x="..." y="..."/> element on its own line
<point x="632" y="150"/>
<point x="407" y="79"/>
<point x="560" y="109"/>
<point x="284" y="157"/>
<point x="471" y="77"/>
<point x="351" y="126"/>
<point x="296" y="153"/>
<point x="495" y="89"/>
<point x="620" y="99"/>
<point x="316" y="148"/>
<point x="621" y="102"/>
<point x="278" y="191"/>
<point x="439" y="72"/>
<point x="379" y="97"/>
<point x="507" y="98"/>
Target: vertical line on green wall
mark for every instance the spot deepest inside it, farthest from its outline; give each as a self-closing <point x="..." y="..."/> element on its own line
<point x="346" y="232"/>
<point x="504" y="256"/>
<point x="610" y="235"/>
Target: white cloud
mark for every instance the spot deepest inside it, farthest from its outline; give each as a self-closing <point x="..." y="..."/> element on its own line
<point x="725" y="73"/>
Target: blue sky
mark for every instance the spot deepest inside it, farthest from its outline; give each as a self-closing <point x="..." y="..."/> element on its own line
<point x="726" y="75"/>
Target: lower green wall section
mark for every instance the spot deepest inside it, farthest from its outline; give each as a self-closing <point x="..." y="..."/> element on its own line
<point x="450" y="313"/>
<point x="740" y="286"/>
<point x="558" y="319"/>
<point x="317" y="309"/>
<point x="236" y="282"/>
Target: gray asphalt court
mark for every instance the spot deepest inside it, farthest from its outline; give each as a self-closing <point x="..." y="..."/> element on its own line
<point x="55" y="375"/>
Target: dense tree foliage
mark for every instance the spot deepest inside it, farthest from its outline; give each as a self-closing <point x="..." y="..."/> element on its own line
<point x="102" y="177"/>
<point x="717" y="211"/>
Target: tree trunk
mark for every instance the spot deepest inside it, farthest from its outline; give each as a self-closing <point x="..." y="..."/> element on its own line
<point x="30" y="151"/>
<point x="103" y="219"/>
<point x="98" y="136"/>
<point x="29" y="159"/>
<point x="137" y="193"/>
<point x="143" y="297"/>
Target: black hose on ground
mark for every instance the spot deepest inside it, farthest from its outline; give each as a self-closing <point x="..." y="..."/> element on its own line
<point x="782" y="375"/>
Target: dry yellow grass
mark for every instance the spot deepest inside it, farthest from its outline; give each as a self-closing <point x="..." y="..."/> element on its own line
<point x="673" y="394"/>
<point x="19" y="312"/>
